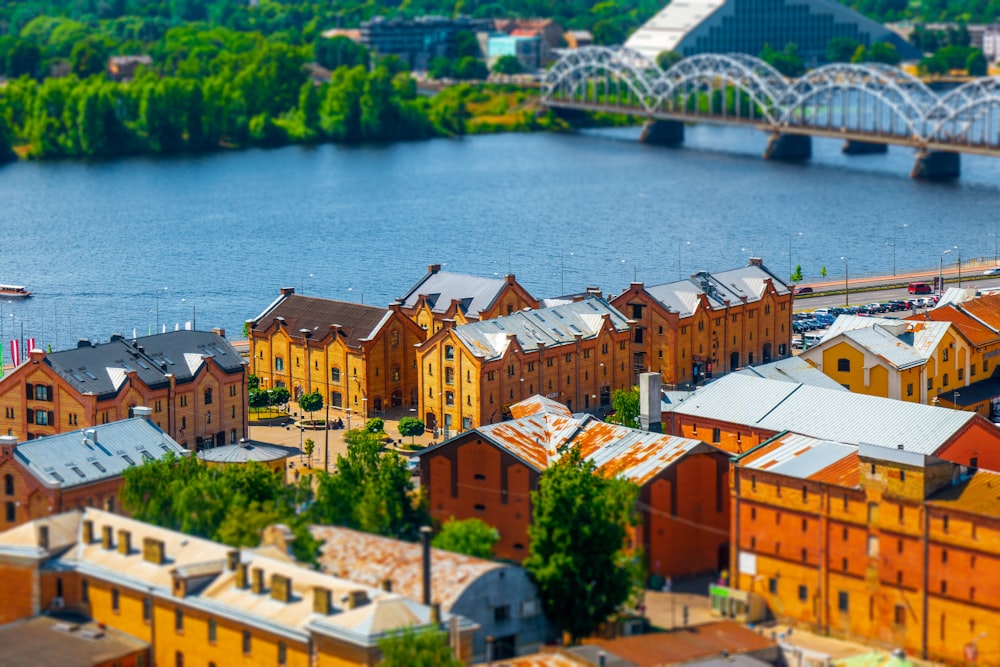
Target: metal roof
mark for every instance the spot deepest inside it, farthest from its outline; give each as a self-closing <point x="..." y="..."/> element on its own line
<point x="795" y="455"/>
<point x="243" y="452"/>
<point x="474" y="293"/>
<point x="540" y="439"/>
<point x="968" y="323"/>
<point x="371" y="559"/>
<point x="733" y="286"/>
<point x="923" y="336"/>
<point x="44" y="641"/>
<point x="547" y="326"/>
<point x="978" y="494"/>
<point x="840" y="416"/>
<point x="101" y="369"/>
<point x="884" y="345"/>
<point x="358" y="322"/>
<point x="537" y="404"/>
<point x="793" y="369"/>
<point x="76" y="458"/>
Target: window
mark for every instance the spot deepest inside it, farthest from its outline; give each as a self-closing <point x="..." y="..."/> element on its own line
<point x="449" y="376"/>
<point x="930" y="383"/>
<point x="844" y="365"/>
<point x="394" y="338"/>
<point x="803" y="593"/>
<point x="961" y="374"/>
<point x="909" y="389"/>
<point x="805" y="498"/>
<point x="184" y="401"/>
<point x="115" y="601"/>
<point x="8" y="485"/>
<point x="716" y="435"/>
<point x="43" y="392"/>
<point x="449" y="353"/>
<point x="72" y="419"/>
<point x="208" y="418"/>
<point x="604" y="348"/>
<point x="944" y="380"/>
<point x="449" y="398"/>
<point x="772" y="586"/>
<point x="753" y="513"/>
<point x="208" y="396"/>
<point x="147" y="610"/>
<point x="184" y="423"/>
<point x="334" y="374"/>
<point x="944" y="523"/>
<point x="179" y="620"/>
<point x="85" y="590"/>
<point x="842" y="601"/>
<point x="212" y="631"/>
<point x="11" y="512"/>
<point x="246" y="641"/>
<point x="282" y="653"/>
<point x="944" y="354"/>
<point x="279" y="364"/>
<point x="336" y="399"/>
<point x="899" y="615"/>
<point x="9" y="413"/>
<point x="501" y="613"/>
<point x="178" y="659"/>
<point x="42" y="417"/>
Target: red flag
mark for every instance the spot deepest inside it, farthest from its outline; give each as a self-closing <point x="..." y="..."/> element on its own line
<point x="15" y="352"/>
<point x="31" y="345"/>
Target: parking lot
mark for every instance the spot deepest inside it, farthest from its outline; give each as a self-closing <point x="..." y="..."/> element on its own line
<point x="809" y="326"/>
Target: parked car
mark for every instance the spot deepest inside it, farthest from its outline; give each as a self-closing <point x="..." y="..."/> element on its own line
<point x="918" y="288"/>
<point x="803" y="290"/>
<point x="992" y="272"/>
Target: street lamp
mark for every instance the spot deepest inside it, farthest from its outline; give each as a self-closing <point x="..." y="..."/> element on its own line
<point x="941" y="272"/>
<point x="894" y="228"/>
<point x="847" y="288"/>
<point x="790" y="235"/>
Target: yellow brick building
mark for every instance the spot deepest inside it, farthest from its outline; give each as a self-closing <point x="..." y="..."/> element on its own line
<point x="462" y="298"/>
<point x="198" y="602"/>
<point x="360" y="358"/>
<point x="714" y="323"/>
<point x="577" y="353"/>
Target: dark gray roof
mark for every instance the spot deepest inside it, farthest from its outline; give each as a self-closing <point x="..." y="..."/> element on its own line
<point x="358" y="322"/>
<point x="682" y="296"/>
<point x="244" y="452"/>
<point x="75" y="458"/>
<point x="474" y="293"/>
<point x="101" y="369"/>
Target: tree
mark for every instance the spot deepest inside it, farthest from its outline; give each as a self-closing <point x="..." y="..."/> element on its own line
<point x="411" y="426"/>
<point x="417" y="648"/>
<point x="439" y="68"/>
<point x="580" y="523"/>
<point x="466" y="44"/>
<point x="822" y="270"/>
<point x="89" y="57"/>
<point x="468" y="69"/>
<point x="976" y="64"/>
<point x="840" y="49"/>
<point x="797" y="274"/>
<point x="472" y="537"/>
<point x="507" y="65"/>
<point x="253" y="382"/>
<point x="340" y="52"/>
<point x="24" y="57"/>
<point x="308" y="447"/>
<point x="279" y="396"/>
<point x="7" y="153"/>
<point x="375" y="425"/>
<point x="788" y="61"/>
<point x="625" y="403"/>
<point x="311" y="402"/>
<point x="258" y="399"/>
<point x="884" y="52"/>
<point x="667" y="59"/>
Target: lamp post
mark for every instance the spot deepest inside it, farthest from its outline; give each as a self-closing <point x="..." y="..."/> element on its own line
<point x="941" y="272"/>
<point x="847" y="288"/>
<point x="894" y="228"/>
<point x="790" y="235"/>
<point x="959" y="266"/>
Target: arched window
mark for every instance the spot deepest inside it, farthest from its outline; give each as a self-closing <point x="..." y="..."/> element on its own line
<point x="8" y="485"/>
<point x="844" y="365"/>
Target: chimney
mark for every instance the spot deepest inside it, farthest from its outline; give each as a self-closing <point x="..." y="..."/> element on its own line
<point x="36" y="355"/>
<point x="43" y="538"/>
<point x="115" y="337"/>
<point x="88" y="531"/>
<point x="287" y="291"/>
<point x="357" y="599"/>
<point x="650" y="415"/>
<point x="219" y="331"/>
<point x="594" y="290"/>
<point x="281" y="588"/>
<point x="257" y="574"/>
<point x="510" y="278"/>
<point x="83" y="342"/>
<point x="306" y="333"/>
<point x="425" y="542"/>
<point x="241" y="575"/>
<point x="232" y="560"/>
<point x="124" y="542"/>
<point x="433" y="268"/>
<point x="152" y="551"/>
<point x="387" y="585"/>
<point x="91" y="434"/>
<point x="179" y="589"/>
<point x="8" y="443"/>
<point x="107" y="537"/>
<point x="321" y="600"/>
<point x="142" y="412"/>
<point x="436" y="613"/>
<point x="756" y="261"/>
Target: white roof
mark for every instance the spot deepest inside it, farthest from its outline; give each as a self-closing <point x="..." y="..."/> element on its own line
<point x="665" y="31"/>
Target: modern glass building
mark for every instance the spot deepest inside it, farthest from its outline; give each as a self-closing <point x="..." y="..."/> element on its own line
<point x="745" y="26"/>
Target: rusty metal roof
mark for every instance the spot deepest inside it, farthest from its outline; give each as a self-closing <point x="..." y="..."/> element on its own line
<point x="538" y="404"/>
<point x="371" y="559"/>
<point x="978" y="494"/>
<point x="538" y="439"/>
<point x="803" y="457"/>
<point x="681" y="646"/>
<point x="974" y="330"/>
<point x="986" y="309"/>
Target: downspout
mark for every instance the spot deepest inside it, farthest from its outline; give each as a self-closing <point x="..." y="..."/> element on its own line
<point x="926" y="540"/>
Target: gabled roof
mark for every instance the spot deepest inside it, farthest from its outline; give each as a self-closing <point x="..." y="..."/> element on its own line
<point x="475" y="294"/>
<point x="840" y="416"/>
<point x="548" y="326"/>
<point x="539" y="440"/>
<point x="793" y="369"/>
<point x="371" y="559"/>
<point x="967" y="320"/>
<point x="73" y="459"/>
<point x="876" y="340"/>
<point x="795" y="455"/>
<point x="922" y="336"/>
<point x="101" y="369"/>
<point x="358" y="322"/>
<point x="730" y="286"/>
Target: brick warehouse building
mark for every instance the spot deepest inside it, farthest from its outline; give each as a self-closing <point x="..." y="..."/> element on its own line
<point x="577" y="353"/>
<point x="711" y="324"/>
<point x="489" y="473"/>
<point x="870" y="542"/>
<point x="360" y="358"/>
<point x="194" y="381"/>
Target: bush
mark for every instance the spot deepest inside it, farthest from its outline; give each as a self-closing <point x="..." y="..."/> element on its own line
<point x="375" y="425"/>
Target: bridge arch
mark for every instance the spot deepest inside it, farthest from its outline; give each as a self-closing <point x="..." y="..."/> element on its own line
<point x="578" y="67"/>
<point x="968" y="115"/>
<point x="863" y="98"/>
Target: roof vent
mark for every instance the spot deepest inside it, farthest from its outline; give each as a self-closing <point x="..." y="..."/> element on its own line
<point x="83" y="342"/>
<point x="899" y="446"/>
<point x="116" y="337"/>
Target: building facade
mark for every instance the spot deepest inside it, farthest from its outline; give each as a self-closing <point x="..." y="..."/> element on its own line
<point x="78" y="469"/>
<point x="577" y="353"/>
<point x="194" y="381"/>
<point x="443" y="295"/>
<point x="198" y="602"/>
<point x="360" y="358"/>
<point x="490" y="472"/>
<point x="693" y="330"/>
<point x="874" y="543"/>
<point x="418" y="41"/>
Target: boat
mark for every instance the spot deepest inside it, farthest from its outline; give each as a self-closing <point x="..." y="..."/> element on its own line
<point x="14" y="291"/>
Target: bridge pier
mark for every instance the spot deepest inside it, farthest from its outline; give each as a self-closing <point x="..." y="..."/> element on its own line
<point x="936" y="166"/>
<point x="852" y="147"/>
<point x="788" y="147"/>
<point x="662" y="132"/>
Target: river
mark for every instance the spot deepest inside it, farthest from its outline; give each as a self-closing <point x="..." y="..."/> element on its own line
<point x="113" y="246"/>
